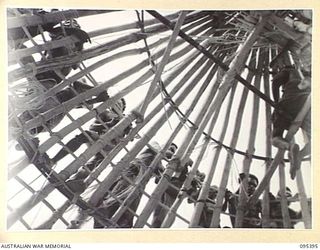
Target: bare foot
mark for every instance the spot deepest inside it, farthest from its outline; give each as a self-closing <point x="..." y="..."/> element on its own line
<point x="295" y="161"/>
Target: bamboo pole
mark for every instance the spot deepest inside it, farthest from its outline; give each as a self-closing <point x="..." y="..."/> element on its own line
<point x="98" y="145"/>
<point x="69" y="40"/>
<point x="56" y="180"/>
<point x="224" y="180"/>
<point x="49" y="188"/>
<point x="143" y="181"/>
<point x="194" y="222"/>
<point x="129" y="72"/>
<point x="306" y="216"/>
<point x="69" y="60"/>
<point x="180" y="159"/>
<point x="53" y="17"/>
<point x="129" y="26"/>
<point x="279" y="156"/>
<point x="169" y="220"/>
<point x="45" y="202"/>
<point x="258" y="28"/>
<point x="265" y="199"/>
<point x="16" y="55"/>
<point x="21" y="220"/>
<point x="283" y="198"/>
<point x="57" y="214"/>
<point x="163" y="63"/>
<point x="151" y="132"/>
<point x="105" y="185"/>
<point x="29" y="70"/>
<point x="252" y="138"/>
<point x="193" y="21"/>
<point x="58" y="135"/>
<point x="160" y="106"/>
<point x="75" y="101"/>
<point x="42" y="56"/>
<point x="106" y="161"/>
<point x="66" y="130"/>
<point x="29" y="204"/>
<point x="224" y="88"/>
<point x="103" y="164"/>
<point x="45" y="192"/>
<point x="174" y="208"/>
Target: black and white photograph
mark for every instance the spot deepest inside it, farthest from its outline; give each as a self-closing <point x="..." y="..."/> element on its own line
<point x="159" y="119"/>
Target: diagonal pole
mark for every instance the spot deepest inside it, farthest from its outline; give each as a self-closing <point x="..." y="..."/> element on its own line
<point x="163" y="62"/>
<point x="209" y="55"/>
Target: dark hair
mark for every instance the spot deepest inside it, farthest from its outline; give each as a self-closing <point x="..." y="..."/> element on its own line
<point x="173" y="144"/>
<point x="71" y="23"/>
<point x="271" y="196"/>
<point x="287" y="189"/>
<point x="242" y="176"/>
<point x="123" y="104"/>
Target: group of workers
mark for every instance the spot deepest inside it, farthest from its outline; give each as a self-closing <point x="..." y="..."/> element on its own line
<point x="296" y="86"/>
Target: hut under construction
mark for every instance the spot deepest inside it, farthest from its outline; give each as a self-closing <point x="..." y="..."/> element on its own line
<point x="97" y="97"/>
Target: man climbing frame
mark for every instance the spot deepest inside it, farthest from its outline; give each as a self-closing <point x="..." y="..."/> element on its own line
<point x="296" y="88"/>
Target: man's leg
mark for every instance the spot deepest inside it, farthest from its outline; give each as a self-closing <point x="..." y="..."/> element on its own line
<point x="295" y="154"/>
<point x="306" y="130"/>
<point x="277" y="139"/>
<point x="279" y="125"/>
